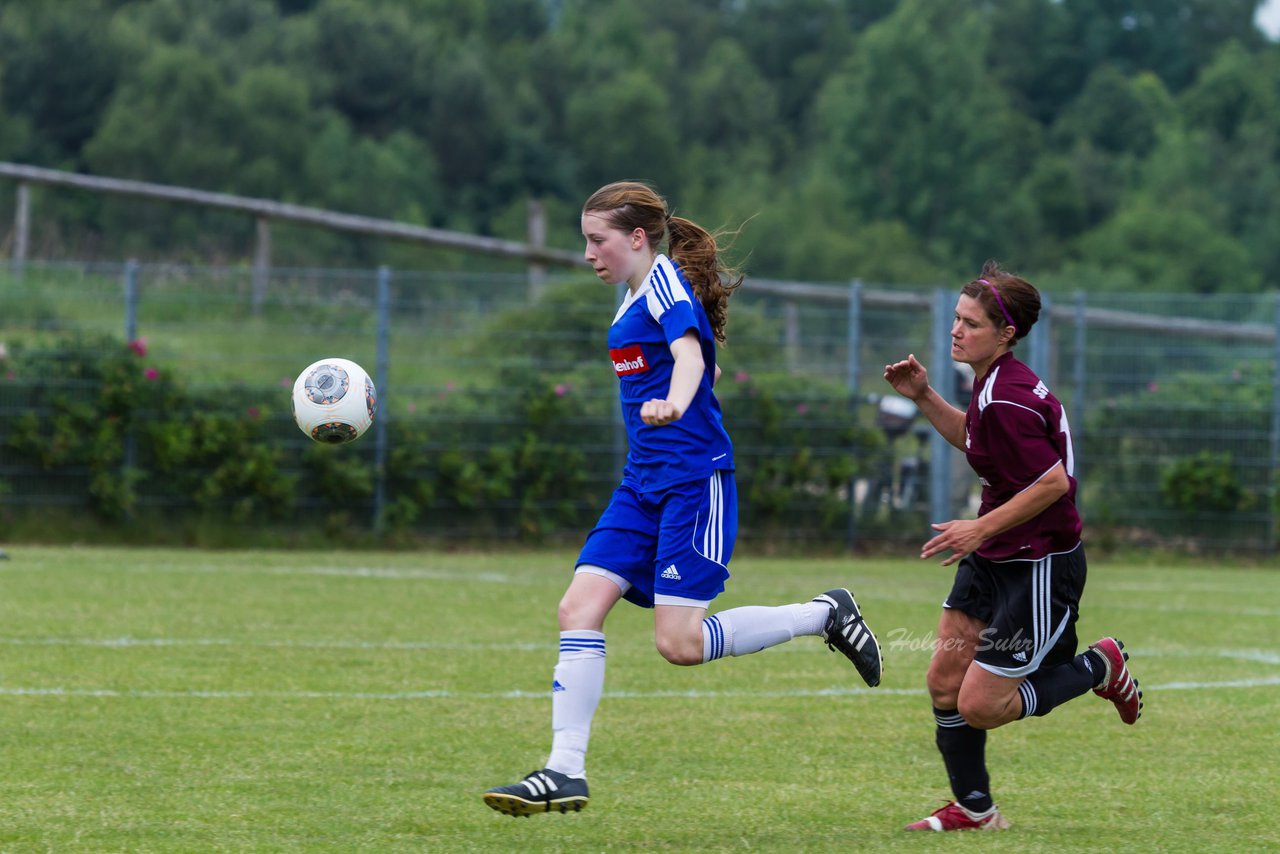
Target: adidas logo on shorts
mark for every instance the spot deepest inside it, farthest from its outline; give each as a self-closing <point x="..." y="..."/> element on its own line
<point x="670" y="573"/>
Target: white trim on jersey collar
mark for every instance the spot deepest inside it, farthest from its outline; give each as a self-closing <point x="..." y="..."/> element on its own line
<point x="629" y="299"/>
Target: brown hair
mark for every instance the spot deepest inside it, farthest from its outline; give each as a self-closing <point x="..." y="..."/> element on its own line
<point x="629" y="205"/>
<point x="1008" y="300"/>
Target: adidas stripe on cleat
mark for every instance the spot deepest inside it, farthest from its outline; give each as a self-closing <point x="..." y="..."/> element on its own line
<point x="1118" y="685"/>
<point x="539" y="792"/>
<point x="846" y="632"/>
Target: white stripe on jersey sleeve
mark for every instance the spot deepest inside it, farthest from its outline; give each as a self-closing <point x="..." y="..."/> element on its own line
<point x="665" y="289"/>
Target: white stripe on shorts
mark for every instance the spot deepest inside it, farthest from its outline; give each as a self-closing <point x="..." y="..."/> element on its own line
<point x="713" y="535"/>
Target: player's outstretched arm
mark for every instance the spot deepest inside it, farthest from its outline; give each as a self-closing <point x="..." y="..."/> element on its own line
<point x="910" y="379"/>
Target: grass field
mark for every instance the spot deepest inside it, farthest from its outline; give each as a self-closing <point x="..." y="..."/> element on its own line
<point x="331" y="701"/>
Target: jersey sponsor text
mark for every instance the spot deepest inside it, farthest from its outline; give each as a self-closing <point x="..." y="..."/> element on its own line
<point x="628" y="360"/>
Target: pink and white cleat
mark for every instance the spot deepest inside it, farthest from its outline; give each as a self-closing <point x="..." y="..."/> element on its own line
<point x="955" y="817"/>
<point x="1118" y="685"/>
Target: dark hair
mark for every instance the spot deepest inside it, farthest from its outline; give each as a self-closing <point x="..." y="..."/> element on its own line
<point x="629" y="205"/>
<point x="1007" y="299"/>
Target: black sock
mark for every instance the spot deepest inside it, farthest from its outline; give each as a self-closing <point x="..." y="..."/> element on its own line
<point x="1099" y="664"/>
<point x="964" y="750"/>
<point x="1050" y="687"/>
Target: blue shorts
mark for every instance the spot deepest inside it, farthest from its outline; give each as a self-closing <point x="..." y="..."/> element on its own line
<point x="672" y="546"/>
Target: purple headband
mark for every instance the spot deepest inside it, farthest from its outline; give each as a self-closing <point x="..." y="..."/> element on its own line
<point x="1000" y="303"/>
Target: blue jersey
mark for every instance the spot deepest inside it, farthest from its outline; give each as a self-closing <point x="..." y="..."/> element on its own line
<point x="692" y="448"/>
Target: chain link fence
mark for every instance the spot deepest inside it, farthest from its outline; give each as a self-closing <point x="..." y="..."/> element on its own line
<point x="498" y="416"/>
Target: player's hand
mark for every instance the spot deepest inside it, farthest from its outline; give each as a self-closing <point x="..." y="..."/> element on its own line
<point x="959" y="536"/>
<point x="908" y="377"/>
<point x="657" y="413"/>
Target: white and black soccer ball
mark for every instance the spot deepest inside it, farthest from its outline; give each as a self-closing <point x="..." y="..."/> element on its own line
<point x="334" y="401"/>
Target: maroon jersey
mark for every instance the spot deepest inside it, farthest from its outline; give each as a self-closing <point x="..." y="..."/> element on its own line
<point x="1015" y="433"/>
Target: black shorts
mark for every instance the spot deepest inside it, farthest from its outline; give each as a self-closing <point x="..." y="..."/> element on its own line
<point x="1030" y="608"/>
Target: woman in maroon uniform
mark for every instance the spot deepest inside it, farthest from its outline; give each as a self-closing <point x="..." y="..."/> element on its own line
<point x="1006" y="646"/>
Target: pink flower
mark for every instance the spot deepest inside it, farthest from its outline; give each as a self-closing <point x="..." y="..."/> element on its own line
<point x="139" y="345"/>
<point x="802" y="408"/>
<point x="413" y="407"/>
<point x="561" y="389"/>
<point x="741" y="377"/>
<point x="10" y="375"/>
<point x="1152" y="386"/>
<point x="254" y="412"/>
<point x="151" y="374"/>
<point x="450" y="386"/>
<point x="285" y="382"/>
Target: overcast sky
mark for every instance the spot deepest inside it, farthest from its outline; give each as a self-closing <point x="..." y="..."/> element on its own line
<point x="1268" y="18"/>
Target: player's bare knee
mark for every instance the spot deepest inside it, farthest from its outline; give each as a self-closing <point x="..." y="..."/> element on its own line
<point x="943" y="698"/>
<point x="981" y="714"/>
<point x="679" y="650"/>
<point x="944" y="687"/>
<point x="575" y="613"/>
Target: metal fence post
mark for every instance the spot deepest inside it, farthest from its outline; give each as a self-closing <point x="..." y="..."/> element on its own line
<point x="131" y="300"/>
<point x="130" y="334"/>
<point x="791" y="334"/>
<point x="619" y="422"/>
<point x="381" y="371"/>
<point x="853" y="342"/>
<point x="261" y="264"/>
<point x="1077" y="415"/>
<point x="1042" y="343"/>
<point x="21" y="227"/>
<point x="1275" y="433"/>
<point x="536" y="234"/>
<point x="943" y="380"/>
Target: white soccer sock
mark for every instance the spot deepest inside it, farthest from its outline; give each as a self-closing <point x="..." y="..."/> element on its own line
<point x="742" y="631"/>
<point x="575" y="692"/>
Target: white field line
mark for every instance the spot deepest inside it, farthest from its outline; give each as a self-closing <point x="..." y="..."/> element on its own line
<point x="371" y="572"/>
<point x="1263" y="584"/>
<point x="131" y="642"/>
<point x="1259" y="656"/>
<point x="445" y="694"/>
<point x="1188" y="609"/>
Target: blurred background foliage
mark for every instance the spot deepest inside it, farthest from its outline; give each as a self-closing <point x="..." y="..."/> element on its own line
<point x="1111" y="144"/>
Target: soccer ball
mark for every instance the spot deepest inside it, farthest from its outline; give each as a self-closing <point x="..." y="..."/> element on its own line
<point x="334" y="401"/>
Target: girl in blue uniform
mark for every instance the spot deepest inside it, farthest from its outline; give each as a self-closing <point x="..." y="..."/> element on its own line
<point x="665" y="540"/>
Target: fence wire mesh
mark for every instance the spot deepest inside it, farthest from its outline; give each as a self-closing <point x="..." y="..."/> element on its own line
<point x="498" y="413"/>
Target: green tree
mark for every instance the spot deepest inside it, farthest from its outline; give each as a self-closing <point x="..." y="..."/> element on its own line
<point x="1232" y="93"/>
<point x="361" y="53"/>
<point x="916" y="130"/>
<point x="15" y="133"/>
<point x="727" y="104"/>
<point x="1234" y="105"/>
<point x="1171" y="38"/>
<point x="796" y="44"/>
<point x="180" y="120"/>
<point x="1171" y="249"/>
<point x="623" y="129"/>
<point x="1115" y="113"/>
<point x="1033" y="53"/>
<point x="395" y="178"/>
<point x="60" y="70"/>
